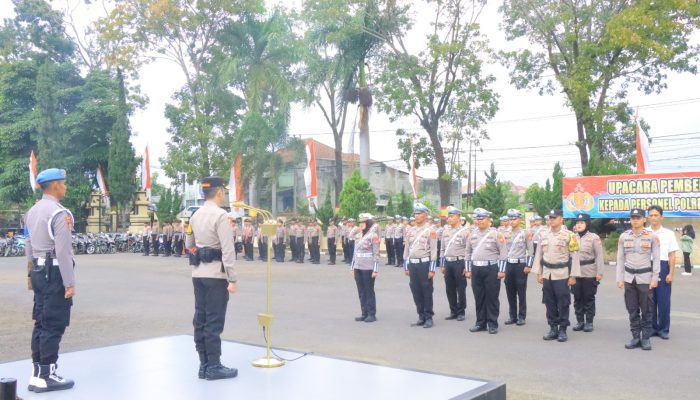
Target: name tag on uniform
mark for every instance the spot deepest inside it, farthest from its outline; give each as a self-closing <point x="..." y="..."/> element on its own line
<point x="628" y="244"/>
<point x="544" y="242"/>
<point x="646" y="243"/>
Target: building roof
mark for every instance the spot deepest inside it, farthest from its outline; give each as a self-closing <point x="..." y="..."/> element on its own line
<point x="323" y="152"/>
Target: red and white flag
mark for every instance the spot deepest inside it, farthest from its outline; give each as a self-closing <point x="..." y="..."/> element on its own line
<point x="102" y="185"/>
<point x="412" y="175"/>
<point x="146" y="175"/>
<point x="235" y="184"/>
<point x="310" y="174"/>
<point x="642" y="148"/>
<point x="32" y="171"/>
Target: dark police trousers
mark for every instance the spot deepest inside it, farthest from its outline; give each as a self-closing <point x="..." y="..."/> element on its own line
<point x="456" y="286"/>
<point x="301" y="252"/>
<point x="486" y="287"/>
<point x="279" y="252"/>
<point x="51" y="313"/>
<point x="248" y="248"/>
<point x="398" y="249"/>
<point x="178" y="246"/>
<point x="557" y="299"/>
<point x="168" y="246"/>
<point x="639" y="301"/>
<point x="661" y="307"/>
<point x="154" y="239"/>
<point x="293" y="247"/>
<point x="210" y="301"/>
<point x="314" y="249"/>
<point x="516" y="290"/>
<point x="584" y="292"/>
<point x="391" y="256"/>
<point x="331" y="249"/>
<point x="146" y="245"/>
<point x="351" y="249"/>
<point x="262" y="248"/>
<point x="365" y="289"/>
<point x="422" y="289"/>
<point x="344" y="246"/>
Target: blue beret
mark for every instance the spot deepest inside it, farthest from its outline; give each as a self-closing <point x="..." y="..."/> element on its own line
<point x="420" y="208"/>
<point x="480" y="213"/>
<point x="51" y="174"/>
<point x="513" y="213"/>
<point x="453" y="211"/>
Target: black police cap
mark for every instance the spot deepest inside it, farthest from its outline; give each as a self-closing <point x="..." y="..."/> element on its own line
<point x="212" y="182"/>
<point x="555" y="213"/>
<point x="637" y="212"/>
<point x="583" y="217"/>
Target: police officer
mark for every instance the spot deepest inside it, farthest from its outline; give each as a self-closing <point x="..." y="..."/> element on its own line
<point x="213" y="277"/>
<point x="557" y="267"/>
<point x="291" y="232"/>
<point x="454" y="238"/>
<point x="146" y="238"/>
<point x="331" y="234"/>
<point x="505" y="224"/>
<point x="168" y="238"/>
<point x="591" y="259"/>
<point x="248" y="234"/>
<point x="155" y="236"/>
<point x="49" y="248"/>
<point x="300" y="233"/>
<point x="177" y="238"/>
<point x="520" y="258"/>
<point x="535" y="231"/>
<point x="485" y="255"/>
<point x="262" y="243"/>
<point x="278" y="241"/>
<point x="350" y="238"/>
<point x="365" y="266"/>
<point x="399" y="234"/>
<point x="634" y="250"/>
<point x="420" y="255"/>
<point x="389" y="241"/>
<point x="314" y="240"/>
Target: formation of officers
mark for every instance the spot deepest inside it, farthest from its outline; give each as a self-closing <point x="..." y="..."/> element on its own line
<point x="564" y="262"/>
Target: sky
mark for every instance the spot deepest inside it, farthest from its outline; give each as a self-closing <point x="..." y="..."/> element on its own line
<point x="528" y="134"/>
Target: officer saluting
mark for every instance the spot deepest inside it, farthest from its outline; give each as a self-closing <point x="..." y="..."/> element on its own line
<point x="634" y="249"/>
<point x="420" y="255"/>
<point x="485" y="255"/>
<point x="557" y="266"/>
<point x="212" y="255"/>
<point x="454" y="240"/>
<point x="49" y="248"/>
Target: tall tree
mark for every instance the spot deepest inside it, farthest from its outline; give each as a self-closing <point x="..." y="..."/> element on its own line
<point x="444" y="85"/>
<point x="357" y="197"/>
<point x="596" y="50"/>
<point x="121" y="173"/>
<point x="492" y="195"/>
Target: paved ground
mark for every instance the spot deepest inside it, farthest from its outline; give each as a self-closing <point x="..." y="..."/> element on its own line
<point x="125" y="297"/>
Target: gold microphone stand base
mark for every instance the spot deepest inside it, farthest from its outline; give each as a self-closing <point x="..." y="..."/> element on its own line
<point x="268" y="362"/>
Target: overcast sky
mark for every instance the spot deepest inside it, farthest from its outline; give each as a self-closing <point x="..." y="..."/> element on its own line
<point x="525" y="121"/>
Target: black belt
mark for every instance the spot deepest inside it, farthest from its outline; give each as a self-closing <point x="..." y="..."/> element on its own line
<point x="638" y="271"/>
<point x="555" y="266"/>
<point x="587" y="262"/>
<point x="207" y="254"/>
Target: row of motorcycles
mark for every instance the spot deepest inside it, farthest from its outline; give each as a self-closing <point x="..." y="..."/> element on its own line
<point x="83" y="243"/>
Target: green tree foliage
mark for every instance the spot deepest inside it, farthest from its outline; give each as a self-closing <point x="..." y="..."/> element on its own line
<point x="596" y="50"/>
<point x="445" y="84"/>
<point x="404" y="204"/>
<point x="169" y="205"/>
<point x="492" y="195"/>
<point x="390" y="210"/>
<point x="325" y="212"/>
<point x="121" y="174"/>
<point x="356" y="197"/>
<point x="549" y="197"/>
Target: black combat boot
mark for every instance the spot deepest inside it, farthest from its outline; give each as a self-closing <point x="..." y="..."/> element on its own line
<point x="48" y="381"/>
<point x="579" y="325"/>
<point x="646" y="342"/>
<point x="635" y="342"/>
<point x="552" y="334"/>
<point x="360" y="318"/>
<point x="588" y="327"/>
<point x="202" y="365"/>
<point x="34" y="380"/>
<point x="217" y="371"/>
<point x="428" y="323"/>
<point x="561" y="337"/>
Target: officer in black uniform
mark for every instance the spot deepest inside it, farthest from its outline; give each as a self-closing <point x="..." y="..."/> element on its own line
<point x="49" y="249"/>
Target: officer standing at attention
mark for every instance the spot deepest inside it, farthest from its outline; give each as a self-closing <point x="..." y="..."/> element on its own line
<point x="168" y="238"/>
<point x="212" y="258"/>
<point x="291" y="232"/>
<point x="248" y="240"/>
<point x="592" y="259"/>
<point x="350" y="238"/>
<point x="520" y="260"/>
<point x="668" y="246"/>
<point x="455" y="238"/>
<point x="262" y="243"/>
<point x="155" y="235"/>
<point x="485" y="255"/>
<point x="389" y="241"/>
<point x="365" y="266"/>
<point x="331" y="233"/>
<point x="278" y="241"/>
<point x="146" y="237"/>
<point x="505" y="224"/>
<point x="634" y="250"/>
<point x="48" y="247"/>
<point x="557" y="267"/>
<point x="314" y="233"/>
<point x="177" y="238"/>
<point x="420" y="255"/>
<point x="399" y="234"/>
<point x="535" y="231"/>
